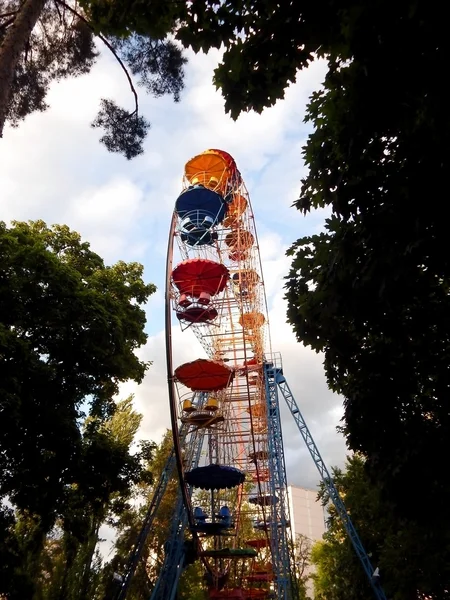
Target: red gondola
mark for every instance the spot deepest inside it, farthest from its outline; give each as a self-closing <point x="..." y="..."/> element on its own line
<point x="204" y="375"/>
<point x="197" y="276"/>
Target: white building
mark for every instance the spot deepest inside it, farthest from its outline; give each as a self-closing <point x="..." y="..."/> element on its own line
<point x="307" y="518"/>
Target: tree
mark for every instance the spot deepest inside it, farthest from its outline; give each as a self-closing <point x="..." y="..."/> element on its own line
<point x="13" y="576"/>
<point x="338" y="572"/>
<point x="42" y="41"/>
<point x="69" y="329"/>
<point x="191" y="585"/>
<point x="129" y="525"/>
<point x="266" y="43"/>
<point x="372" y="291"/>
<point x="302" y="557"/>
<point x="413" y="562"/>
<point x="108" y="472"/>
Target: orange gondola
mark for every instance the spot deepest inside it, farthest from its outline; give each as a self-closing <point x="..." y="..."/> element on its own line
<point x="252" y="320"/>
<point x="212" y="168"/>
<point x="236" y="208"/>
<point x="239" y="240"/>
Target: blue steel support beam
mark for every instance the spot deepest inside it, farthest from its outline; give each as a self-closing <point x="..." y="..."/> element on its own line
<point x="155" y="502"/>
<point x="167" y="582"/>
<point x="281" y="535"/>
<point x="333" y="493"/>
<point x="138" y="548"/>
<point x="174" y="560"/>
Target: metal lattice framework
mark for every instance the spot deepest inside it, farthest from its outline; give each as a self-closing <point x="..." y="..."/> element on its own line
<point x="283" y="545"/>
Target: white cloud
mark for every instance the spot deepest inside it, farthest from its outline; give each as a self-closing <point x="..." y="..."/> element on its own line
<point x="113" y="208"/>
<point x="52" y="167"/>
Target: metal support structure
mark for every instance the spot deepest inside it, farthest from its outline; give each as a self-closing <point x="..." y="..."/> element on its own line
<point x="281" y="534"/>
<point x="155" y="502"/>
<point x="174" y="560"/>
<point x="276" y="374"/>
<point x="167" y="582"/>
<point x="136" y="553"/>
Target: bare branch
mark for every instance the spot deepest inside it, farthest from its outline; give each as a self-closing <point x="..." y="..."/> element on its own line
<point x="109" y="46"/>
<point x="12" y="14"/>
<point x="7" y="23"/>
<point x="59" y="12"/>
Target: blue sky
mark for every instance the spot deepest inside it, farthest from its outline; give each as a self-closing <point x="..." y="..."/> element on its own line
<point x="53" y="168"/>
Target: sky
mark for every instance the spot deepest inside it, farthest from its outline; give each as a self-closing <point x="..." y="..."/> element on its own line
<point x="53" y="168"/>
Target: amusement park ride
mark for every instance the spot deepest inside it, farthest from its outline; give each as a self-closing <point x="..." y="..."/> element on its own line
<point x="232" y="512"/>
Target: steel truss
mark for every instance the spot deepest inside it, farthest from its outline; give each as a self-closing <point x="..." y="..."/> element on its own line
<point x="275" y="381"/>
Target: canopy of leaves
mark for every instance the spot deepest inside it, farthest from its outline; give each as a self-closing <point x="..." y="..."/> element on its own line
<point x="124" y="131"/>
<point x="68" y="332"/>
<point x="64" y="563"/>
<point x="52" y="53"/>
<point x="266" y="42"/>
<point x="107" y="475"/>
<point x="372" y="292"/>
<point x="302" y="561"/>
<point x="122" y="18"/>
<point x="413" y="562"/>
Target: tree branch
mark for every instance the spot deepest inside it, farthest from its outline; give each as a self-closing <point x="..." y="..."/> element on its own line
<point x="9" y="14"/>
<point x="7" y="23"/>
<point x="59" y="12"/>
<point x="109" y="46"/>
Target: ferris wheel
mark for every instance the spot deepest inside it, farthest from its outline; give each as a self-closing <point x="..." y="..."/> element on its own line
<point x="237" y="515"/>
<point x="224" y="404"/>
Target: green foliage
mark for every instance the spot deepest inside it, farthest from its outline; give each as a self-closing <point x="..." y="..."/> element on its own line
<point x="129" y="523"/>
<point x="71" y="53"/>
<point x="157" y="64"/>
<point x="191" y="585"/>
<point x="14" y="577"/>
<point x="266" y="42"/>
<point x="124" y="131"/>
<point x="302" y="560"/>
<point x="68" y="567"/>
<point x="413" y="561"/>
<point x="68" y="334"/>
<point x="121" y="18"/>
<point x="128" y="527"/>
<point x="372" y="291"/>
<point x="105" y="483"/>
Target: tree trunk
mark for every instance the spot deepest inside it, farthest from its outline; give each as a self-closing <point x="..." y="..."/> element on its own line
<point x="12" y="47"/>
<point x="91" y="543"/>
